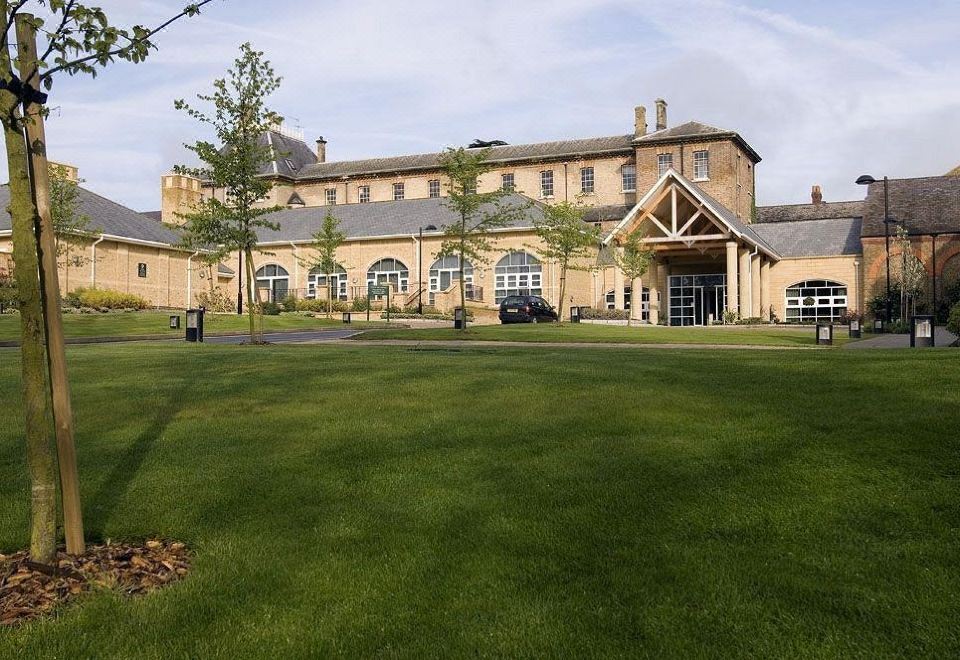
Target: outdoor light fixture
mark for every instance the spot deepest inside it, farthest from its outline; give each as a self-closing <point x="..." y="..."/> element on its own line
<point x="347" y="318"/>
<point x="574" y="314"/>
<point x="878" y="325"/>
<point x="854" y="328"/>
<point x="824" y="334"/>
<point x="174" y="322"/>
<point x="921" y="332"/>
<point x="459" y="318"/>
<point x="195" y="325"/>
<point x="866" y="180"/>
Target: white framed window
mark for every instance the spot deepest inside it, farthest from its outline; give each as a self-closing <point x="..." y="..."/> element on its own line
<point x="816" y="300"/>
<point x="470" y="187"/>
<point x="628" y="178"/>
<point x="273" y="280"/>
<point x="701" y="165"/>
<point x="517" y="274"/>
<point x="433" y="186"/>
<point x="390" y="271"/>
<point x="546" y="183"/>
<point x="664" y="163"/>
<point x="586" y="180"/>
<point x="398" y="192"/>
<point x="331" y="194"/>
<point x="318" y="281"/>
<point x="611" y="300"/>
<point x="446" y="271"/>
<point x="363" y="194"/>
<point x="507" y="182"/>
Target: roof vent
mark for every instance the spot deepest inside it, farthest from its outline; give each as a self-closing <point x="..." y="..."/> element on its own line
<point x="483" y="144"/>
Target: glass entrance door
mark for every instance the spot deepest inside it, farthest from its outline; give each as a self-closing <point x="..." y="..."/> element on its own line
<point x="697" y="299"/>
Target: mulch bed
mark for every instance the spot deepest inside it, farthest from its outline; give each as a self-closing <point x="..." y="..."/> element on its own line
<point x="29" y="590"/>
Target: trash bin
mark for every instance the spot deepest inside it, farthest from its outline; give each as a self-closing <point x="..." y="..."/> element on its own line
<point x="921" y="332"/>
<point x="459" y="318"/>
<point x="854" y="329"/>
<point x="824" y="334"/>
<point x="195" y="324"/>
<point x="574" y="315"/>
<point x="878" y="326"/>
<point x="174" y="322"/>
<point x="347" y="317"/>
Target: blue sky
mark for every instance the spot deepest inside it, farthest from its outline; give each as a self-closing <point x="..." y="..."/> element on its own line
<point x="823" y="90"/>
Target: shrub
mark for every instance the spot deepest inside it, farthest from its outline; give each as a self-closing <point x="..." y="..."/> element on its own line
<point x="597" y="314"/>
<point x="953" y="321"/>
<point x="730" y="316"/>
<point x="360" y="304"/>
<point x="312" y="305"/>
<point x="105" y="299"/>
<point x="289" y="303"/>
<point x="851" y="315"/>
<point x="750" y="320"/>
<point x="270" y="309"/>
<point x="215" y="301"/>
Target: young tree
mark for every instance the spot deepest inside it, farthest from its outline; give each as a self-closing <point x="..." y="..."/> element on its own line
<point x="326" y="242"/>
<point x="70" y="227"/>
<point x="633" y="259"/>
<point x="477" y="213"/>
<point x="79" y="40"/>
<point x="240" y="116"/>
<point x="910" y="276"/>
<point x="567" y="241"/>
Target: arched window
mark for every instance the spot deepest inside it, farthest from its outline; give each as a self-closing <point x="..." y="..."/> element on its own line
<point x="444" y="272"/>
<point x="389" y="271"/>
<point x="816" y="300"/>
<point x="317" y="283"/>
<point x="611" y="300"/>
<point x="518" y="274"/>
<point x="274" y="281"/>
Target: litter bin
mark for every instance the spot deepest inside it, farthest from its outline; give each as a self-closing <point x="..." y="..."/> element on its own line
<point x="574" y="315"/>
<point x="854" y="329"/>
<point x="824" y="334"/>
<point x="878" y="326"/>
<point x="195" y="324"/>
<point x="459" y="318"/>
<point x="174" y="322"/>
<point x="921" y="332"/>
<point x="347" y="317"/>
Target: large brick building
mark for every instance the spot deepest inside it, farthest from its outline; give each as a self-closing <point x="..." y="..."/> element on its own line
<point x="689" y="189"/>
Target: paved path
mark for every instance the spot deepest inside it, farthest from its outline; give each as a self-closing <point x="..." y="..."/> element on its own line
<point x="943" y="338"/>
<point x="458" y="344"/>
<point x="307" y="336"/>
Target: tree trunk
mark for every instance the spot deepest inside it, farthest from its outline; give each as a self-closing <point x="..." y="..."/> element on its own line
<point x="329" y="296"/>
<point x="41" y="459"/>
<point x="563" y="287"/>
<point x="251" y="287"/>
<point x="463" y="286"/>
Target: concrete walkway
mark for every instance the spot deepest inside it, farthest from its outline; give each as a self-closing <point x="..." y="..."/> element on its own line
<point x="459" y="344"/>
<point x="941" y="336"/>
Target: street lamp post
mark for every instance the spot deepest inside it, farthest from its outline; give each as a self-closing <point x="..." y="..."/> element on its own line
<point x="420" y="268"/>
<point x="866" y="180"/>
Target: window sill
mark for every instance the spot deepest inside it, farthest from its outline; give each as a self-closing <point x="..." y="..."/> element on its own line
<point x="701" y="179"/>
<point x="546" y="196"/>
<point x="629" y="192"/>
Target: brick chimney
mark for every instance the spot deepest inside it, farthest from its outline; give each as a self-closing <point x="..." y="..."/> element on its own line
<point x="640" y="121"/>
<point x="816" y="196"/>
<point x="321" y="150"/>
<point x="661" y="114"/>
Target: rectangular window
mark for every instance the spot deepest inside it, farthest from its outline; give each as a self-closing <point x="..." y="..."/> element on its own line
<point x="507" y="183"/>
<point x="363" y="194"/>
<point x="701" y="165"/>
<point x="331" y="196"/>
<point x="586" y="180"/>
<point x="546" y="183"/>
<point x="434" y="185"/>
<point x="470" y="187"/>
<point x="141" y="270"/>
<point x="628" y="174"/>
<point x="398" y="192"/>
<point x="664" y="163"/>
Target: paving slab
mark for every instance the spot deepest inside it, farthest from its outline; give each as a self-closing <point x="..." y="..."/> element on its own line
<point x="941" y="336"/>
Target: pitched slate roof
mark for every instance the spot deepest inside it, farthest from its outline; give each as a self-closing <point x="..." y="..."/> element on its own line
<point x="928" y="204"/>
<point x="695" y="131"/>
<point x="617" y="144"/>
<point x="798" y="212"/>
<point x="107" y="217"/>
<point x="156" y="216"/>
<point x="401" y="218"/>
<point x="812" y="238"/>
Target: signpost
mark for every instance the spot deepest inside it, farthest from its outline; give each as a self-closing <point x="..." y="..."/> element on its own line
<point x="378" y="290"/>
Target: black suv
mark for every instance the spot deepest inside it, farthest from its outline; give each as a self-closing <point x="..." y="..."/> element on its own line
<point x="526" y="309"/>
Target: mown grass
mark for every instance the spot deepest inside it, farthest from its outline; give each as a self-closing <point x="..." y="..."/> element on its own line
<point x="127" y="324"/>
<point x="593" y="333"/>
<point x="512" y="502"/>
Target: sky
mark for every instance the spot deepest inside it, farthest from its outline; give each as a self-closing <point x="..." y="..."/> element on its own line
<point x="824" y="90"/>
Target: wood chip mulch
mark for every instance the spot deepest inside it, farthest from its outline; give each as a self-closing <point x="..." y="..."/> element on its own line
<point x="29" y="590"/>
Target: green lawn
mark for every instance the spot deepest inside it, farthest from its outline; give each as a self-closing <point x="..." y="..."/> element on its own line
<point x="591" y="333"/>
<point x="158" y="323"/>
<point x="366" y="501"/>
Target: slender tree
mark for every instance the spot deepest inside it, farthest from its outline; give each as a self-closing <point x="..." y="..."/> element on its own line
<point x="79" y="40"/>
<point x="478" y="214"/>
<point x="633" y="259"/>
<point x="239" y="117"/>
<point x="910" y="275"/>
<point x="567" y="241"/>
<point x="71" y="227"/>
<point x="326" y="241"/>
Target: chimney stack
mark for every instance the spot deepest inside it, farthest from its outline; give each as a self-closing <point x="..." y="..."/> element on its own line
<point x="816" y="196"/>
<point x="321" y="150"/>
<point x="640" y="121"/>
<point x="661" y="114"/>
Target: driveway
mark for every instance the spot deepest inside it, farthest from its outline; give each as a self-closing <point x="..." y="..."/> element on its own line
<point x="942" y="337"/>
